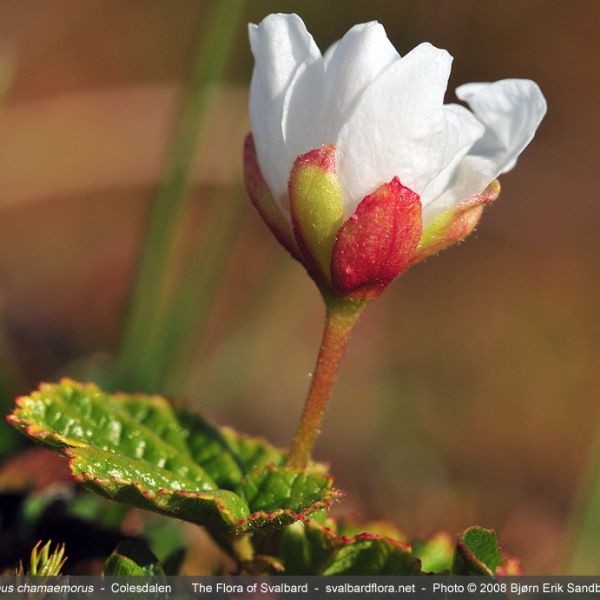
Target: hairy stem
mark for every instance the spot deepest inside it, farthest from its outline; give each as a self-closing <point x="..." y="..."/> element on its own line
<point x="340" y="319"/>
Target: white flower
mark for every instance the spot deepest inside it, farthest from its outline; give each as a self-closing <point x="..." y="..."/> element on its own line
<point x="384" y="113"/>
<point x="356" y="164"/>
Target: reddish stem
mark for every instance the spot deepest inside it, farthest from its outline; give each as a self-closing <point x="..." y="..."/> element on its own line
<point x="339" y="321"/>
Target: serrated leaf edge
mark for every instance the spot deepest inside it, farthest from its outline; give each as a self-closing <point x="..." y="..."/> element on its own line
<point x="100" y="485"/>
<point x="341" y="541"/>
<point x="64" y="444"/>
<point x="35" y="431"/>
<point x="237" y="526"/>
<point x="331" y="495"/>
<point x="345" y="540"/>
<point x="261" y="517"/>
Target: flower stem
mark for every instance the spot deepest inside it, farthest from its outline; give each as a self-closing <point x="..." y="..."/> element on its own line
<point x="340" y="318"/>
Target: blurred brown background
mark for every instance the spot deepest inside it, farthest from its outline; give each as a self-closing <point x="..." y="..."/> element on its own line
<point x="470" y="390"/>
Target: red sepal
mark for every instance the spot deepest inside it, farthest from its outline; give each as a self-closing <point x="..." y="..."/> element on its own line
<point x="261" y="197"/>
<point x="377" y="242"/>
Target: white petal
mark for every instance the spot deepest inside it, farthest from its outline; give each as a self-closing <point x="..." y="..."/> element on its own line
<point x="399" y="128"/>
<point x="351" y="65"/>
<point x="463" y="130"/>
<point x="329" y="53"/>
<point x="302" y="110"/>
<point x="511" y="110"/>
<point x="281" y="46"/>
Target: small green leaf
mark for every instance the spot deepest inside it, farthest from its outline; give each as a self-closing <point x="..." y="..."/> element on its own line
<point x="477" y="553"/>
<point x="167" y="539"/>
<point x="251" y="452"/>
<point x="272" y="489"/>
<point x="369" y="554"/>
<point x="297" y="553"/>
<point x="139" y="450"/>
<point x="132" y="558"/>
<point x="308" y="548"/>
<point x="435" y="553"/>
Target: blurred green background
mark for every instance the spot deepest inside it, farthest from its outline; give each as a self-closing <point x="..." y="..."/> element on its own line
<point x="470" y="390"/>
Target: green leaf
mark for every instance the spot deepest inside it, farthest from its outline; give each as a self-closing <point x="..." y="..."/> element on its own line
<point x="435" y="553"/>
<point x="477" y="553"/>
<point x="308" y="548"/>
<point x="297" y="553"/>
<point x="271" y="489"/>
<point x="132" y="558"/>
<point x="252" y="452"/>
<point x="139" y="450"/>
<point x="132" y="482"/>
<point x="373" y="555"/>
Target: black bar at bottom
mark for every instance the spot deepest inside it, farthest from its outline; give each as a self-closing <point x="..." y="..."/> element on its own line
<point x="298" y="588"/>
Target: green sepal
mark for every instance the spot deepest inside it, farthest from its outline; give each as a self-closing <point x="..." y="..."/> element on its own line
<point x="455" y="223"/>
<point x="476" y="553"/>
<point x="316" y="206"/>
<point x="131" y="558"/>
<point x="140" y="451"/>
